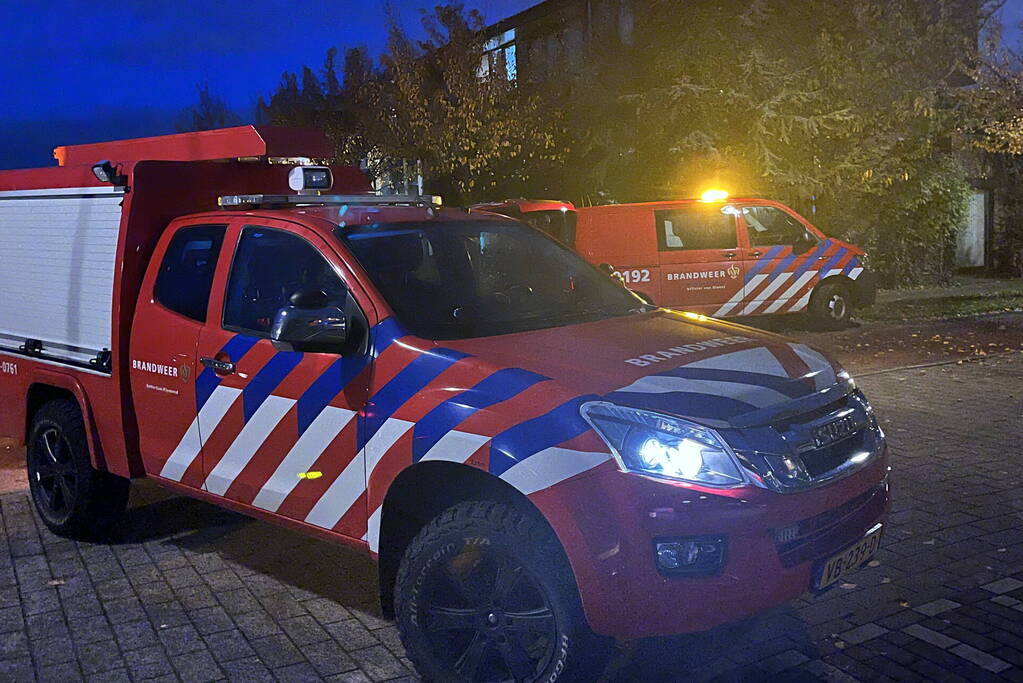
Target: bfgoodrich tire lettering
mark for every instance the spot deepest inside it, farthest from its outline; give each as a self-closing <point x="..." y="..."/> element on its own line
<point x="71" y="497"/>
<point x="484" y="593"/>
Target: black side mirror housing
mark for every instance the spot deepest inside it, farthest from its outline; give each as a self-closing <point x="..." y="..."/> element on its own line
<point x="609" y="270"/>
<point x="310" y="324"/>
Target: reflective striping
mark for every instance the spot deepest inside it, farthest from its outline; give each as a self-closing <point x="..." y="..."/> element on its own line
<point x="762" y="262"/>
<point x="784" y="298"/>
<point x="518" y="443"/>
<point x="765" y="293"/>
<point x="549" y="467"/>
<point x="410" y="381"/>
<point x="306" y="451"/>
<point x="823" y="371"/>
<point x="267" y="379"/>
<point x="456" y="446"/>
<point x="782" y="385"/>
<point x="802" y="303"/>
<point x="855" y="273"/>
<point x="341" y="495"/>
<point x="751" y="395"/>
<point x="759" y="359"/>
<point x="740" y="295"/>
<point x="372" y="536"/>
<point x="381" y="442"/>
<point x="213" y="410"/>
<point x="500" y="386"/>
<point x="248" y="441"/>
<point x="326" y="387"/>
<point x="207" y="381"/>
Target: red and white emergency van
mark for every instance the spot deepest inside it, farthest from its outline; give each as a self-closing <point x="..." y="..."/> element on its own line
<point x="718" y="256"/>
<point x="538" y="460"/>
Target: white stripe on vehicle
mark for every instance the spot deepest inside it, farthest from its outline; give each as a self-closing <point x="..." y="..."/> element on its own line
<point x="212" y="412"/>
<point x="390" y="431"/>
<point x="306" y="451"/>
<point x="341" y="495"/>
<point x="549" y="467"/>
<point x="823" y="373"/>
<point x="740" y="295"/>
<point x="456" y="446"/>
<point x="855" y="273"/>
<point x="791" y="291"/>
<point x="766" y="293"/>
<point x="757" y="359"/>
<point x="248" y="441"/>
<point x="802" y="303"/>
<point x="754" y="394"/>
<point x="372" y="536"/>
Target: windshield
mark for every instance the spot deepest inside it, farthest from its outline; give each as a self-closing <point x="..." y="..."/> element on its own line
<point x="461" y="279"/>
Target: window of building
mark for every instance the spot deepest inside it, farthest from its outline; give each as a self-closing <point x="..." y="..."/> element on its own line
<point x="500" y="57"/>
<point x="696" y="227"/>
<point x="186" y="274"/>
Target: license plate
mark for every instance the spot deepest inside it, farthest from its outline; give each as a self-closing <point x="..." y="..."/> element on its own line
<point x="847" y="560"/>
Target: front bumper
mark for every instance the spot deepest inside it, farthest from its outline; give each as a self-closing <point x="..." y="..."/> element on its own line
<point x="612" y="551"/>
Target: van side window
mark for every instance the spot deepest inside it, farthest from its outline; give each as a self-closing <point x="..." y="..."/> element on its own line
<point x="186" y="274"/>
<point x="769" y="226"/>
<point x="269" y="266"/>
<point x="696" y="227"/>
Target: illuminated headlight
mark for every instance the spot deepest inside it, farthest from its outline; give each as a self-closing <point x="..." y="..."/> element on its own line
<point x="664" y="446"/>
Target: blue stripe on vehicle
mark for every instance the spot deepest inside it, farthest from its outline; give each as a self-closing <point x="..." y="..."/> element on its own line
<point x="853" y="262"/>
<point x="235" y="348"/>
<point x="782" y="385"/>
<point x="518" y="443"/>
<point x="687" y="404"/>
<point x="498" y="387"/>
<point x="340" y="374"/>
<point x="782" y="266"/>
<point x="267" y="379"/>
<point x="842" y="251"/>
<point x="762" y="262"/>
<point x="406" y="384"/>
<point x="384" y="334"/>
<point x="811" y="260"/>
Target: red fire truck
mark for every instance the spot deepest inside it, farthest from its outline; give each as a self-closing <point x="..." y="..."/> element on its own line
<point x="538" y="460"/>
<point x="718" y="256"/>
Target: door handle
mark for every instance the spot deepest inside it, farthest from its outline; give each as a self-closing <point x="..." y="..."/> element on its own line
<point x="729" y="254"/>
<point x="755" y="254"/>
<point x="221" y="367"/>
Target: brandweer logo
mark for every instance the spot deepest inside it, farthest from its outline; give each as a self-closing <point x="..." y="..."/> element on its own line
<point x="675" y="351"/>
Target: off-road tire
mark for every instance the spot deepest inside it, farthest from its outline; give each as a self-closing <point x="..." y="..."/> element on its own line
<point x="500" y="535"/>
<point x="831" y="306"/>
<point x="71" y="497"/>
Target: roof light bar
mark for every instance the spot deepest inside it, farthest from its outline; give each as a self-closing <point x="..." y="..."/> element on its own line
<point x="266" y="201"/>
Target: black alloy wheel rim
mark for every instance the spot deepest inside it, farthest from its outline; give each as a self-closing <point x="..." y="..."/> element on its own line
<point x="54" y="474"/>
<point x="486" y="617"/>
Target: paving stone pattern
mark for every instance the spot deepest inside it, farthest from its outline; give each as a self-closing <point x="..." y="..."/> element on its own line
<point x="188" y="591"/>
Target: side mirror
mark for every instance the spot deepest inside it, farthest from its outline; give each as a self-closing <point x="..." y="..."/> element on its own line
<point x="309" y="323"/>
<point x="609" y="270"/>
<point x="804" y="244"/>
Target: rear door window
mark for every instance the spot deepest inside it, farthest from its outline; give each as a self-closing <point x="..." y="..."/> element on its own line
<point x="186" y="274"/>
<point x="696" y="227"/>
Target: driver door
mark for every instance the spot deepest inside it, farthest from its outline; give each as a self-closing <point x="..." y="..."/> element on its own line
<point x="778" y="263"/>
<point x="290" y="429"/>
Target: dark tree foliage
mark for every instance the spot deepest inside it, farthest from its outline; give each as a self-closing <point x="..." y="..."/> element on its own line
<point x="208" y="113"/>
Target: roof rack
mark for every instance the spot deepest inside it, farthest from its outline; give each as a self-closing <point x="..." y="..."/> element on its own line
<point x="268" y="201"/>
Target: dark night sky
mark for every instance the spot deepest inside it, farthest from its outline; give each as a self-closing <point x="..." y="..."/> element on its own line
<point x="75" y="72"/>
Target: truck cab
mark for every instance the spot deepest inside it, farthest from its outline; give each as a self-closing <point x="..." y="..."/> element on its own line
<point x="538" y="460"/>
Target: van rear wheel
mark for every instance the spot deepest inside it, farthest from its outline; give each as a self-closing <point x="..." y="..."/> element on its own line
<point x="484" y="593"/>
<point x="831" y="306"/>
<point x="71" y="497"/>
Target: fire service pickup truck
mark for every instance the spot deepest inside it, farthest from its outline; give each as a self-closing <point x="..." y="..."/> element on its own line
<point x="538" y="460"/>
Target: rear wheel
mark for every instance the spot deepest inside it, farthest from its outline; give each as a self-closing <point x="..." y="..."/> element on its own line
<point x="484" y="593"/>
<point x="71" y="497"/>
<point x="831" y="305"/>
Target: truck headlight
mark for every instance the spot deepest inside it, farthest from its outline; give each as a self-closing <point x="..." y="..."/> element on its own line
<point x="664" y="446"/>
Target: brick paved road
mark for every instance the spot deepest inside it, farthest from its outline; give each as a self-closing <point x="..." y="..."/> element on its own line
<point x="193" y="592"/>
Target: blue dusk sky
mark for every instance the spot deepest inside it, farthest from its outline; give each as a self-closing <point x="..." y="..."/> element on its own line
<point x="77" y="72"/>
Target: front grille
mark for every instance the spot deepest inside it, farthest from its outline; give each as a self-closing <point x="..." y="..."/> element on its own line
<point x="822" y="461"/>
<point x="830" y="531"/>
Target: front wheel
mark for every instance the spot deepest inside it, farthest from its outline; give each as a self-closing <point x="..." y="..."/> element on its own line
<point x="831" y="305"/>
<point x="484" y="593"/>
<point x="71" y="497"/>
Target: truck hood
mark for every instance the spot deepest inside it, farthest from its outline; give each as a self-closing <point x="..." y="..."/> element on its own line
<point x="715" y="373"/>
